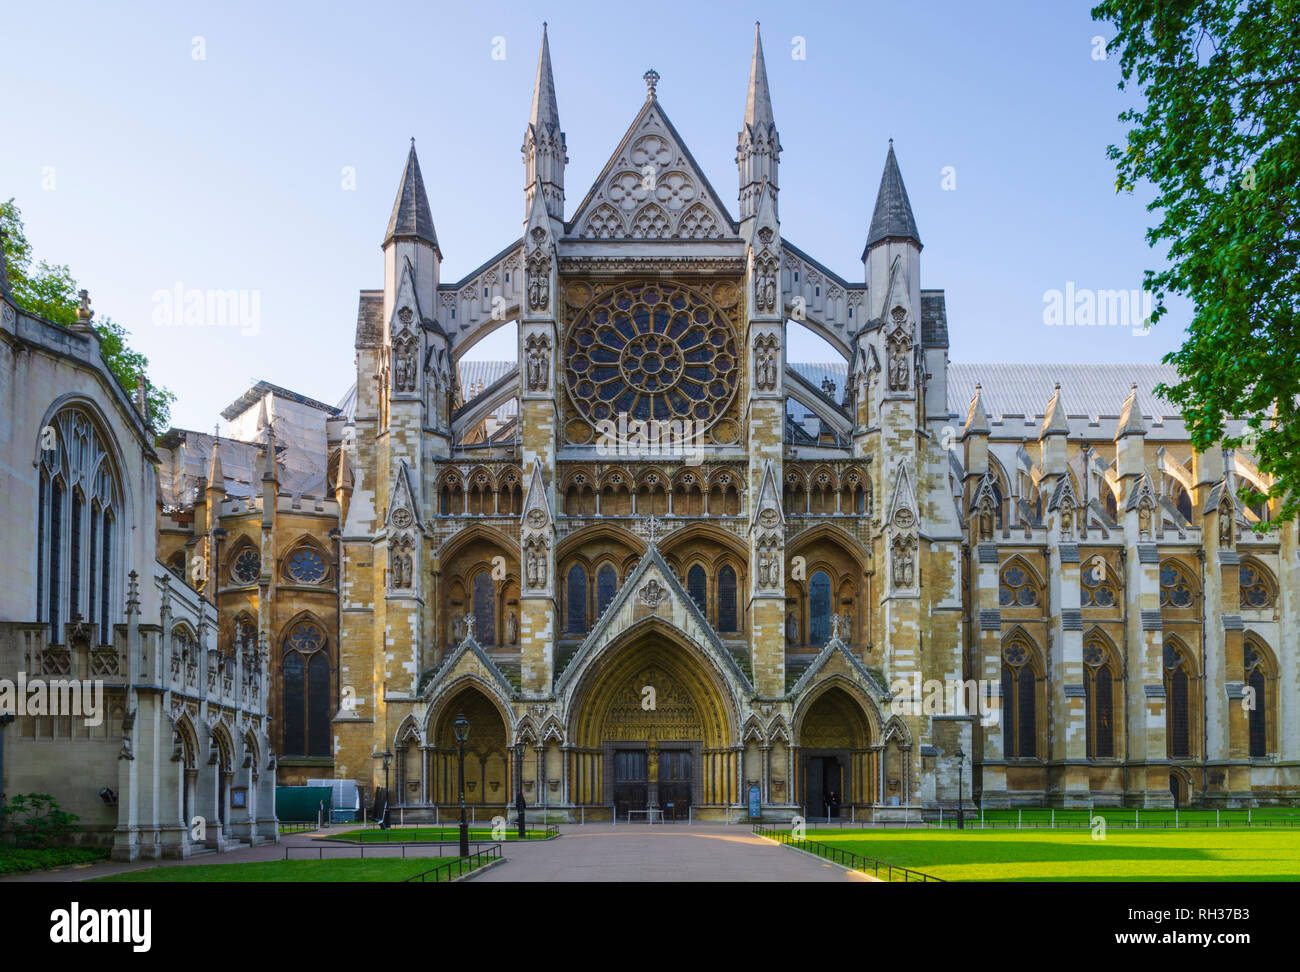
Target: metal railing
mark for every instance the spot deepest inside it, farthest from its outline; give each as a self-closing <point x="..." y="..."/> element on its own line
<point x="400" y="835"/>
<point x="461" y="865"/>
<point x="847" y="858"/>
<point x="357" y="850"/>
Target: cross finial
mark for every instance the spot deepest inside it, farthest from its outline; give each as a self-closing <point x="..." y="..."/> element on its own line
<point x="651" y="79"/>
<point x="84" y="313"/>
<point x="652" y="528"/>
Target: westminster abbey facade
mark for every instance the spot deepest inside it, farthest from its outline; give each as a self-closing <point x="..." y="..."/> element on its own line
<point x="656" y="563"/>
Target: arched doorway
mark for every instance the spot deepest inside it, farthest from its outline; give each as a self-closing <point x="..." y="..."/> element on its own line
<point x="836" y="759"/>
<point x="487" y="766"/>
<point x="653" y="727"/>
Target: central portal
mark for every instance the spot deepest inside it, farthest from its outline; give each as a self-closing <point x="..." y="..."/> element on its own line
<point x="652" y="732"/>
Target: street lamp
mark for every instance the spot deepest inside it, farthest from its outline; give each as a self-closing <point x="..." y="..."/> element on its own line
<point x="520" y="803"/>
<point x="461" y="728"/>
<point x="961" y="762"/>
<point x="387" y="757"/>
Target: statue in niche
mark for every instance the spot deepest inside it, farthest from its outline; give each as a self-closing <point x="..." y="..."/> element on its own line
<point x="1144" y="521"/>
<point x="899" y="367"/>
<point x="904" y="568"/>
<point x="791" y="629"/>
<point x="986" y="521"/>
<point x="765" y="284"/>
<point x="1225" y="524"/>
<point x="512" y="629"/>
<point x="457" y="628"/>
<point x="539" y="281"/>
<point x="535" y="566"/>
<point x="765" y="355"/>
<point x="538" y="364"/>
<point x="404" y="366"/>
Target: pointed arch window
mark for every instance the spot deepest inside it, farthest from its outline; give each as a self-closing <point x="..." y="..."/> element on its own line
<point x="1175" y="586"/>
<point x="305" y="692"/>
<point x="306" y="565"/>
<point x="1019" y="702"/>
<point x="485" y="613"/>
<point x="1099" y="699"/>
<point x="246" y="566"/>
<point x="727" y="599"/>
<point x="76" y="499"/>
<point x="1178" y="702"/>
<point x="575" y="588"/>
<point x="1258" y="682"/>
<point x="697" y="585"/>
<point x="1017" y="588"/>
<point x="819" y="608"/>
<point x="606" y="587"/>
<point x="1257" y="590"/>
<point x="1097" y="584"/>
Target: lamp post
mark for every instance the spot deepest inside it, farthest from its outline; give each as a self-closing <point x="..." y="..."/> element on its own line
<point x="387" y="757"/>
<point x="961" y="762"/>
<point x="520" y="803"/>
<point x="461" y="729"/>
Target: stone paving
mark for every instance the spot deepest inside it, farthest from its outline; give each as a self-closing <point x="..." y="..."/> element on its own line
<point x="595" y="852"/>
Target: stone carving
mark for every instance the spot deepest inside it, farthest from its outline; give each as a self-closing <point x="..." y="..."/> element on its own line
<point x="765" y="286"/>
<point x="539" y="280"/>
<point x="535" y="563"/>
<point x="512" y="628"/>
<point x="904" y="568"/>
<point x="766" y="354"/>
<point x="769" y="566"/>
<point x="986" y="520"/>
<point x="652" y="593"/>
<point x="401" y="562"/>
<point x="405" y="315"/>
<point x="900" y="364"/>
<point x="1226" y="524"/>
<point x="458" y="628"/>
<point x="404" y="367"/>
<point x="537" y="352"/>
<point x="791" y="628"/>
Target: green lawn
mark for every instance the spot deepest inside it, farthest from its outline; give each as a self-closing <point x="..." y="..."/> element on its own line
<point x="343" y="869"/>
<point x="16" y="860"/>
<point x="400" y="835"/>
<point x="1035" y="817"/>
<point x="1072" y="855"/>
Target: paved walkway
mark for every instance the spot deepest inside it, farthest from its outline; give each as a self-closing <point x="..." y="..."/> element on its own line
<point x="595" y="852"/>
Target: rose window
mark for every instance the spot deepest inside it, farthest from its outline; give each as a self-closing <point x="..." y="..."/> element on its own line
<point x="306" y="566"/>
<point x="651" y="352"/>
<point x="247" y="566"/>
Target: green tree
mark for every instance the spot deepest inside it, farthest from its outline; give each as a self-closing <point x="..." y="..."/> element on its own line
<point x="50" y="292"/>
<point x="1218" y="136"/>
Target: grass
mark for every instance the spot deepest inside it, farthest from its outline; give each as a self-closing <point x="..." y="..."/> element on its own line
<point x="1072" y="855"/>
<point x="1114" y="817"/>
<point x="343" y="869"/>
<point x="433" y="834"/>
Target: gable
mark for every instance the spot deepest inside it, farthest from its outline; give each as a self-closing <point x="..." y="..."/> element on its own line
<point x="652" y="189"/>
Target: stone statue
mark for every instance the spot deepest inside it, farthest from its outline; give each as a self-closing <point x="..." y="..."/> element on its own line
<point x="458" y="628"/>
<point x="512" y="628"/>
<point x="791" y="628"/>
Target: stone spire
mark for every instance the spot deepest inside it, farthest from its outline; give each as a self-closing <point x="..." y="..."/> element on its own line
<point x="977" y="419"/>
<point x="758" y="147"/>
<point x="1055" y="421"/>
<point x="216" y="480"/>
<point x="1130" y="417"/>
<point x="270" y="473"/>
<point x="412" y="218"/>
<point x="545" y="151"/>
<point x="892" y="219"/>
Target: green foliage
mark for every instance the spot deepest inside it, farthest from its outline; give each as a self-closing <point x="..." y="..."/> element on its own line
<point x="18" y="860"/>
<point x="51" y="292"/>
<point x="37" y="820"/>
<point x="1219" y="139"/>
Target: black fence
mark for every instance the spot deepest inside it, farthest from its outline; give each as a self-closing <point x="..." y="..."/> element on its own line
<point x="461" y="865"/>
<point x="892" y="872"/>
<point x="400" y="835"/>
<point x="357" y="850"/>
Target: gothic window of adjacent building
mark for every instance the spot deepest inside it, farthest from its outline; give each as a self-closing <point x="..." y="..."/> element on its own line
<point x="1099" y="698"/>
<point x="575" y="589"/>
<point x="727" y="599"/>
<point x="77" y="504"/>
<point x="176" y="564"/>
<point x="485" y="608"/>
<point x="246" y="566"/>
<point x="1257" y="588"/>
<point x="1097" y="584"/>
<point x="1018" y="587"/>
<point x="1179" y="496"/>
<point x="306" y="565"/>
<point x="697" y="585"/>
<point x="1176" y="590"/>
<point x="819" y="608"/>
<point x="606" y="587"/>
<point x="1019" y="701"/>
<point x="1177" y="702"/>
<point x="305" y="692"/>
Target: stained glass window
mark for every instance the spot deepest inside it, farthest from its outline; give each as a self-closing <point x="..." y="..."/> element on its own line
<point x="1176" y="709"/>
<point x="247" y="567"/>
<point x="1017" y="588"/>
<point x="306" y="566"/>
<point x="294" y="694"/>
<point x="819" y="608"/>
<point x="1255" y="591"/>
<point x="485" y="609"/>
<point x="1097" y="584"/>
<point x="606" y="587"/>
<point x="1258" y="684"/>
<point x="651" y="350"/>
<point x="727" y="599"/>
<point x="576" y="589"/>
<point x="1175" y="588"/>
<point x="318" y="705"/>
<point x="697" y="586"/>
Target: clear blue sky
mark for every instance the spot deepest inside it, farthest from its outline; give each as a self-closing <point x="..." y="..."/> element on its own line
<point x="227" y="172"/>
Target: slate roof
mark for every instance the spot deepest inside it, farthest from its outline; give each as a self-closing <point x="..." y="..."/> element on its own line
<point x="934" y="319"/>
<point x="1087" y="390"/>
<point x="258" y="391"/>
<point x="370" y="319"/>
